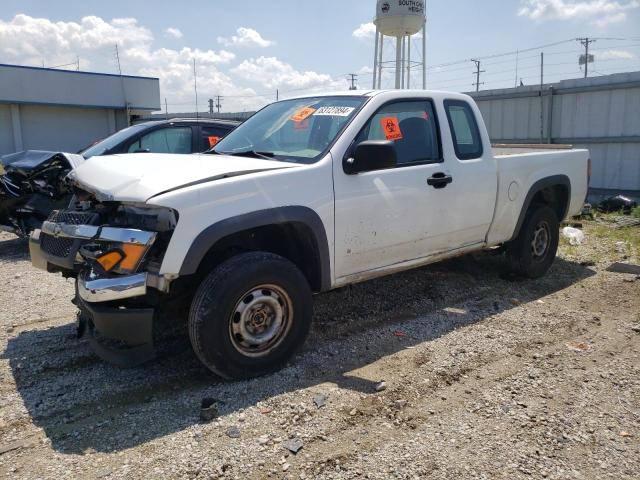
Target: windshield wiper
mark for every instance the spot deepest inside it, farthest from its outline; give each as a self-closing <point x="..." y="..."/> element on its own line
<point x="252" y="153"/>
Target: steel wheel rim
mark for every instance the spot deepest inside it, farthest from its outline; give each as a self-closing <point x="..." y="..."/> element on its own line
<point x="260" y="320"/>
<point x="541" y="240"/>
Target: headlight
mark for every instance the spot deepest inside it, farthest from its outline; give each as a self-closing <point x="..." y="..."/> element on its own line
<point x="123" y="258"/>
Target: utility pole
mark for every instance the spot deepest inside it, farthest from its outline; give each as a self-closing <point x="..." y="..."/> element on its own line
<point x="118" y="60"/>
<point x="195" y="87"/>
<point x="218" y="105"/>
<point x="541" y="97"/>
<point x="477" y="73"/>
<point x="210" y="107"/>
<point x="166" y="110"/>
<point x="77" y="63"/>
<point x="277" y="94"/>
<point x="586" y="42"/>
<point x="354" y="77"/>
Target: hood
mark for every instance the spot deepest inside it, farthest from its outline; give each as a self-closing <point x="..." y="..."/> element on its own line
<point x="31" y="160"/>
<point x="137" y="177"/>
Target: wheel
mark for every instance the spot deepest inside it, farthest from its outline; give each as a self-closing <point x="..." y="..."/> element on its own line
<point x="249" y="315"/>
<point x="534" y="249"/>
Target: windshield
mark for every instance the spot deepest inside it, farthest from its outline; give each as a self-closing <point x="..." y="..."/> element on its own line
<point x="297" y="130"/>
<point x="110" y="142"/>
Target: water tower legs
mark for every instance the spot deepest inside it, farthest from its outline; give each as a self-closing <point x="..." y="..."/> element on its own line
<point x="424" y="56"/>
<point x="399" y="44"/>
<point x="375" y="59"/>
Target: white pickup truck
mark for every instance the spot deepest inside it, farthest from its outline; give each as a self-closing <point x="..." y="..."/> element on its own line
<point x="308" y="195"/>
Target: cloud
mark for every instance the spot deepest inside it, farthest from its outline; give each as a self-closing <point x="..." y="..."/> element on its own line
<point x="173" y="33"/>
<point x="26" y="40"/>
<point x="615" y="55"/>
<point x="246" y="37"/>
<point x="600" y="12"/>
<point x="365" y="31"/>
<point x="274" y="73"/>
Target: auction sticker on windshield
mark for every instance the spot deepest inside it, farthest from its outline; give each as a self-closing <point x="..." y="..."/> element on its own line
<point x="334" y="111"/>
<point x="302" y="114"/>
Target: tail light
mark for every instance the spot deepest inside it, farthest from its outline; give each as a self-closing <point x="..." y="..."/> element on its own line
<point x="588" y="171"/>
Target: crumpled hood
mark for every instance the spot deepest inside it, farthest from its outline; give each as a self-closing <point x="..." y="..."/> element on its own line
<point x="137" y="177"/>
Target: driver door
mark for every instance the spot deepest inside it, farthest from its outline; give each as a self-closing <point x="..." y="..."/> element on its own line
<point x="388" y="217"/>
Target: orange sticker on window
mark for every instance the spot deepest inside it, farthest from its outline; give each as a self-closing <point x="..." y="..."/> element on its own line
<point x="302" y="114"/>
<point x="303" y="125"/>
<point x="391" y="128"/>
<point x="213" y="140"/>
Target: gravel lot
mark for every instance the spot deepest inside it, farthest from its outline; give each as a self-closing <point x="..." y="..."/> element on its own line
<point x="486" y="377"/>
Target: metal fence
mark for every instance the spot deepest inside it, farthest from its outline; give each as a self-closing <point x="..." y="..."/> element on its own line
<point x="599" y="113"/>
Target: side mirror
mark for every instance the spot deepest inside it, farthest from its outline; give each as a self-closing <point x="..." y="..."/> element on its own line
<point x="371" y="155"/>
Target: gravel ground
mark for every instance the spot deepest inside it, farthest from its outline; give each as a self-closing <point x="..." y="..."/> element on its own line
<point x="485" y="377"/>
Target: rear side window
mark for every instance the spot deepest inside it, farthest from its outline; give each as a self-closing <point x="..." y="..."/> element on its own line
<point x="464" y="129"/>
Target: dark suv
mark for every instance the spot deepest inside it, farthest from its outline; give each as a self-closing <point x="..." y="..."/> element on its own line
<point x="177" y="135"/>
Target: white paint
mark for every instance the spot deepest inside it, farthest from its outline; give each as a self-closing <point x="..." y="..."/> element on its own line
<point x="376" y="222"/>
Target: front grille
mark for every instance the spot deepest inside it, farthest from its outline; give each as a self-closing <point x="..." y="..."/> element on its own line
<point x="58" y="247"/>
<point x="62" y="247"/>
<point x="72" y="218"/>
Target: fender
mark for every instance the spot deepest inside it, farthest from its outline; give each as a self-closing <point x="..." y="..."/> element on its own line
<point x="535" y="188"/>
<point x="273" y="216"/>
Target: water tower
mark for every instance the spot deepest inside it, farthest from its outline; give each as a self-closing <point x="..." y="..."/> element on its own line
<point x="401" y="19"/>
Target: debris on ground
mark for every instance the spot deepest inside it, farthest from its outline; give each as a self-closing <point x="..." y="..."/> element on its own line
<point x="381" y="386"/>
<point x="616" y="204"/>
<point x="233" y="432"/>
<point x="573" y="235"/>
<point x="578" y="346"/>
<point x="624" y="268"/>
<point x="320" y="400"/>
<point x="208" y="409"/>
<point x="294" y="445"/>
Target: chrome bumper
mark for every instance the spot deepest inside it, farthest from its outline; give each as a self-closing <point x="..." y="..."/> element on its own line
<point x="95" y="290"/>
<point x="38" y="260"/>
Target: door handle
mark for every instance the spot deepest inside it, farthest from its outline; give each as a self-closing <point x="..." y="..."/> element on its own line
<point x="439" y="180"/>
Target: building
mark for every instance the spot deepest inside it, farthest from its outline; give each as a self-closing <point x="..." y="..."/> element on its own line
<point x="598" y="113"/>
<point x="63" y="110"/>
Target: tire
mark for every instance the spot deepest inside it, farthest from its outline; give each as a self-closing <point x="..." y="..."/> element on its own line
<point x="249" y="315"/>
<point x="533" y="251"/>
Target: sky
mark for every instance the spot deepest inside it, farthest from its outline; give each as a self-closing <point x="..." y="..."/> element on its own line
<point x="246" y="50"/>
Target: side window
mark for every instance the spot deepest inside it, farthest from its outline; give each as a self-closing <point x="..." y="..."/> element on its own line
<point x="412" y="126"/>
<point x="164" y="140"/>
<point x="464" y="129"/>
<point x="212" y="135"/>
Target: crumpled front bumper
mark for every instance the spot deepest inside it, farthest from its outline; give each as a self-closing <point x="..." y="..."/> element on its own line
<point x="121" y="334"/>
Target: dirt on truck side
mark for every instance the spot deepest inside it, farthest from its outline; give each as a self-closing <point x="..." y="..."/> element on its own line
<point x="450" y="371"/>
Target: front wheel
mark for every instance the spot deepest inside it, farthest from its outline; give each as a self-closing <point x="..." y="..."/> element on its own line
<point x="249" y="315"/>
<point x="533" y="251"/>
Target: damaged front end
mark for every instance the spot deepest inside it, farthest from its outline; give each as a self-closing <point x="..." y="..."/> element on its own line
<point x="32" y="186"/>
<point x="114" y="251"/>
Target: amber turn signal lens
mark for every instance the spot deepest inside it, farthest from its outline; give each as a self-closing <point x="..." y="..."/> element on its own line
<point x="110" y="259"/>
<point x="132" y="256"/>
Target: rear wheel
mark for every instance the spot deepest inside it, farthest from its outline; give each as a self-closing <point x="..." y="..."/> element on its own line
<point x="250" y="314"/>
<point x="533" y="251"/>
